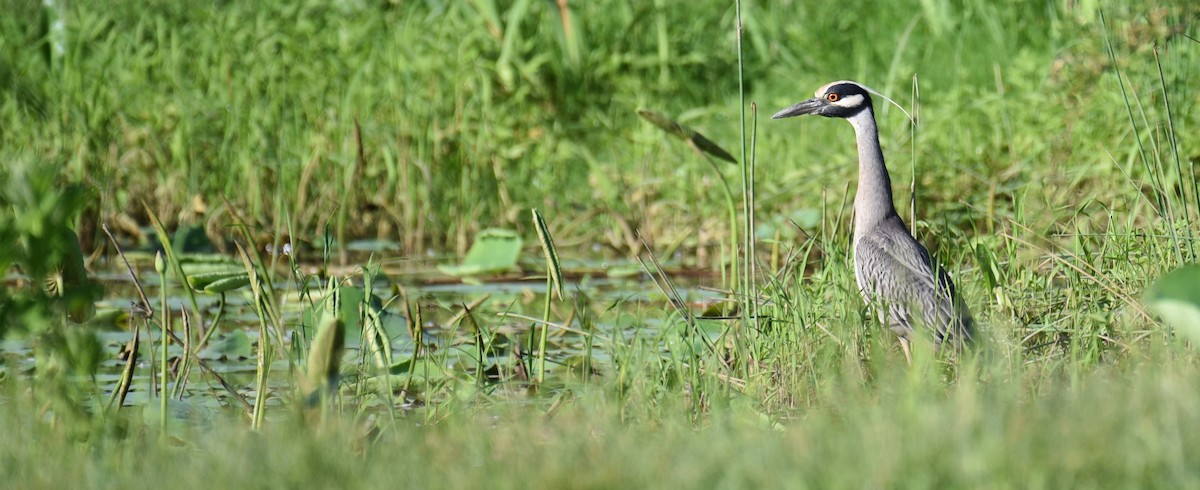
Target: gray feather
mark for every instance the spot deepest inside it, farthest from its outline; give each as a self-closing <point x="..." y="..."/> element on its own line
<point x="896" y="275"/>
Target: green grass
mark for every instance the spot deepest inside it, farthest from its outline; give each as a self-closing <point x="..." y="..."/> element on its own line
<point x="1050" y="177"/>
<point x="1103" y="429"/>
<point x="174" y="103"/>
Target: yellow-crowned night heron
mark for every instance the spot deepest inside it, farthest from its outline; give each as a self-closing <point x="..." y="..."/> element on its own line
<point x="893" y="271"/>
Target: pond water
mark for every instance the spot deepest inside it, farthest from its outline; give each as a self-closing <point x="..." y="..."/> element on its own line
<point x="605" y="305"/>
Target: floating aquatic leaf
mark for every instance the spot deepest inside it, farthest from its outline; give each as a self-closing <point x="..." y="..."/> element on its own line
<point x="110" y="319"/>
<point x="1176" y="298"/>
<point x="494" y="250"/>
<point x="235" y="345"/>
<point x="408" y="374"/>
<point x="349" y="306"/>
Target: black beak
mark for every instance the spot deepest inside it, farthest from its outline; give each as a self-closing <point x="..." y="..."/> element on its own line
<point x="810" y="106"/>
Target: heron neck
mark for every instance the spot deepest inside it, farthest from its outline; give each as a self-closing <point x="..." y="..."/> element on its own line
<point x="873" y="200"/>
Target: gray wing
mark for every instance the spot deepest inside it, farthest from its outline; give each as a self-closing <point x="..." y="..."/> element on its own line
<point x="894" y="270"/>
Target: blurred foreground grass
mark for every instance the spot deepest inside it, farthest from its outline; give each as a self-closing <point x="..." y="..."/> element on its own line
<point x="1132" y="427"/>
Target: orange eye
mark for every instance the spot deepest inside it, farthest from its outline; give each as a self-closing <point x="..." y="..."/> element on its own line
<point x="832" y="97"/>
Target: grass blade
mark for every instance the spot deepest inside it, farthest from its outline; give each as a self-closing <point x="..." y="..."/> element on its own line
<point x="693" y="138"/>
<point x="553" y="268"/>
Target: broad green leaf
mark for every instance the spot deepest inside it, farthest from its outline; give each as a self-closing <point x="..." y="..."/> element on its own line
<point x="110" y="319"/>
<point x="494" y="250"/>
<point x="202" y="280"/>
<point x="348" y="310"/>
<point x="325" y="355"/>
<point x="414" y="376"/>
<point x="228" y="284"/>
<point x="376" y="337"/>
<point x="1176" y="298"/>
<point x="236" y="345"/>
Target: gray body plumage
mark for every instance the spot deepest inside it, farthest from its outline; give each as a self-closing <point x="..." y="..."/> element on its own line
<point x="896" y="276"/>
<point x="894" y="273"/>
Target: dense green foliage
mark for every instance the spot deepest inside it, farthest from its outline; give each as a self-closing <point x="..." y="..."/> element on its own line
<point x="470" y="116"/>
<point x="1054" y="174"/>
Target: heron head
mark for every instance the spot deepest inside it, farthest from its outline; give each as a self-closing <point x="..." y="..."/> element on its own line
<point x="844" y="99"/>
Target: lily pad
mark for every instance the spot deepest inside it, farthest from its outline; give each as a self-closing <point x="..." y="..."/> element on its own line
<point x="386" y="325"/>
<point x="235" y="345"/>
<point x="494" y="250"/>
<point x="416" y="377"/>
<point x="110" y="319"/>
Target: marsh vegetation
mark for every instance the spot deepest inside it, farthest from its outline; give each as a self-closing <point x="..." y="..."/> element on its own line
<point x="500" y="243"/>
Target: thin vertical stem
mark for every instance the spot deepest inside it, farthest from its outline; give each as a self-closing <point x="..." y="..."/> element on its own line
<point x="751" y="248"/>
<point x="746" y="232"/>
<point x="912" y="162"/>
<point x="545" y="327"/>
<point x="166" y="328"/>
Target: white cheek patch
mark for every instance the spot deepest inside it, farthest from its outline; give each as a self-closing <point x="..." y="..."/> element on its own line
<point x="849" y="101"/>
